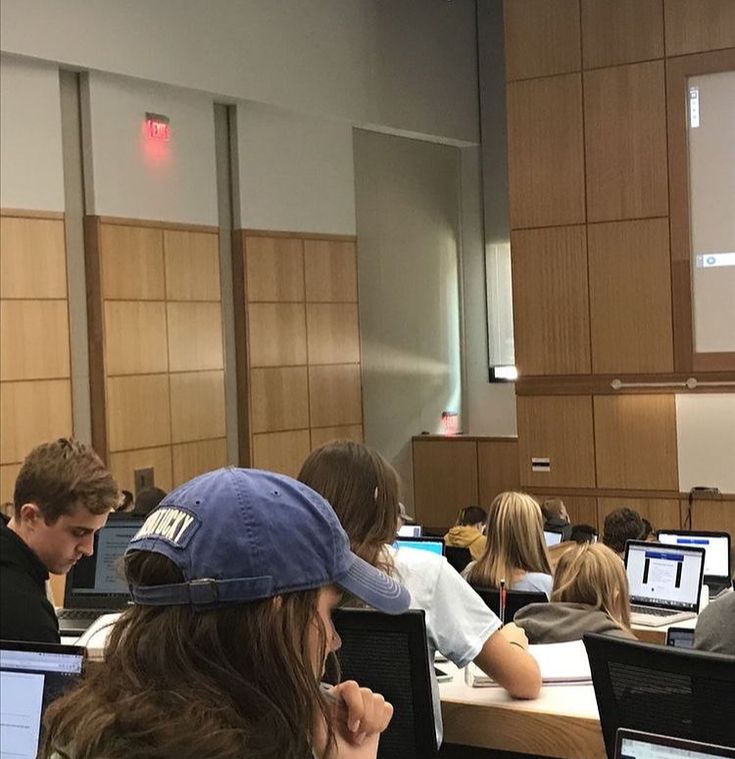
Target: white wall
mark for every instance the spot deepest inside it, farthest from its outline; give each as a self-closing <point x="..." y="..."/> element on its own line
<point x="296" y="171"/>
<point x="405" y="64"/>
<point x="32" y="175"/>
<point x="132" y="176"/>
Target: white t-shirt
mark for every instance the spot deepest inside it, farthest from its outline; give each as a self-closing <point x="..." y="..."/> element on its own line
<point x="457" y="620"/>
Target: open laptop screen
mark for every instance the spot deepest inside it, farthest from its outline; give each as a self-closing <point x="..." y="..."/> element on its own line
<point x="435" y="545"/>
<point x="716" y="549"/>
<point x="32" y="675"/>
<point x="409" y="531"/>
<point x="552" y="538"/>
<point x="664" y="576"/>
<point x="635" y="745"/>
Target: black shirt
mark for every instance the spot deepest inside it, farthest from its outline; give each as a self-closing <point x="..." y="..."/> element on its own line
<point x="25" y="612"/>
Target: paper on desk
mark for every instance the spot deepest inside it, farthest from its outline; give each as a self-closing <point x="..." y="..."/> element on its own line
<point x="95" y="637"/>
<point x="559" y="663"/>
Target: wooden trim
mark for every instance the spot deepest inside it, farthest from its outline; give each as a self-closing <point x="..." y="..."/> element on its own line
<point x="620" y="493"/>
<point x="297" y="235"/>
<point x="590" y="384"/>
<point x="677" y="71"/>
<point x="96" y="340"/>
<point x="464" y="438"/>
<point x="122" y="221"/>
<point x="23" y="213"/>
<point x="241" y="347"/>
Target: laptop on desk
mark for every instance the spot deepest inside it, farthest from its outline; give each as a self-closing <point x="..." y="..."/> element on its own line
<point x="665" y="582"/>
<point x="632" y="744"/>
<point x="717" y="567"/>
<point x="95" y="585"/>
<point x="435" y="545"/>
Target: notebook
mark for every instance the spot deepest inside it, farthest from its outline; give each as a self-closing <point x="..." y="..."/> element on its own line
<point x="665" y="582"/>
<point x="717" y="568"/>
<point x="32" y="675"/>
<point x="631" y="744"/>
<point x="95" y="585"/>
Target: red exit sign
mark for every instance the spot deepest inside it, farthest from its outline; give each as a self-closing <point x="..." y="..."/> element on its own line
<point x="158" y="127"/>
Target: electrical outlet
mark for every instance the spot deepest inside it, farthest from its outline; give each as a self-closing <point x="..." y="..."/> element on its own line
<point x="144" y="478"/>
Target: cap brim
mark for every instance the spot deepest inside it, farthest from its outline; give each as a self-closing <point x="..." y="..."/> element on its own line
<point x="374" y="587"/>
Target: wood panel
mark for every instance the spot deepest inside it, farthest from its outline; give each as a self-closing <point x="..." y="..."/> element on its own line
<point x="124" y="464"/>
<point x="135" y="337"/>
<point x="279" y="399"/>
<point x="192" y="265"/>
<point x="32" y="258"/>
<point x="545" y="152"/>
<point x="138" y="414"/>
<point x="322" y="435"/>
<point x="623" y="31"/>
<point x="333" y="333"/>
<point x="335" y="395"/>
<point x="277" y="334"/>
<point x="132" y="262"/>
<point x="582" y="509"/>
<point x="625" y="139"/>
<point x="541" y="37"/>
<point x="716" y="515"/>
<point x="8" y="474"/>
<point x="274" y="268"/>
<point x="194" y="336"/>
<point x="32" y="413"/>
<point x="662" y="513"/>
<point x="550" y="301"/>
<point x="498" y="469"/>
<point x="636" y="442"/>
<point x="34" y="339"/>
<point x="559" y="428"/>
<point x="282" y="452"/>
<point x="630" y="297"/>
<point x="197" y="406"/>
<point x="701" y="25"/>
<point x="192" y="459"/>
<point x="330" y="271"/>
<point x="444" y="480"/>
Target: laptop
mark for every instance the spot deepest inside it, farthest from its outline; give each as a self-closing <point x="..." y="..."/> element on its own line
<point x="435" y="545"/>
<point x="631" y="744"/>
<point x="717" y="568"/>
<point x="95" y="585"/>
<point x="32" y="675"/>
<point x="552" y="537"/>
<point x="409" y="531"/>
<point x="680" y="637"/>
<point x="665" y="582"/>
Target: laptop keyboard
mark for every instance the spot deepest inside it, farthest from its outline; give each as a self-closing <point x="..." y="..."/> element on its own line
<point x="90" y="614"/>
<point x="653" y="612"/>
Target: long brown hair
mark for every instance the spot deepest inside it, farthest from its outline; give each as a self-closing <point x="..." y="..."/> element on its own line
<point x="515" y="541"/>
<point x="363" y="489"/>
<point x="592" y="574"/>
<point x="235" y="681"/>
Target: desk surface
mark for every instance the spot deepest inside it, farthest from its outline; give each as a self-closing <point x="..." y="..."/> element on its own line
<point x="658" y="634"/>
<point x="562" y="722"/>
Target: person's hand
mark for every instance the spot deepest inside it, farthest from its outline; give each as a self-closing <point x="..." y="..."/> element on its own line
<point x="515" y="635"/>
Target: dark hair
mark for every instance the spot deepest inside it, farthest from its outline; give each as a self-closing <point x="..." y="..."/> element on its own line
<point x="583" y="533"/>
<point x="147" y="500"/>
<point x="220" y="683"/>
<point x="621" y="526"/>
<point x="126" y="502"/>
<point x="471" y="515"/>
<point x="647" y="529"/>
<point x="61" y="475"/>
<point x="552" y="508"/>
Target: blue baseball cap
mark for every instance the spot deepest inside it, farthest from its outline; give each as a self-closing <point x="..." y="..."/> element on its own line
<point x="245" y="534"/>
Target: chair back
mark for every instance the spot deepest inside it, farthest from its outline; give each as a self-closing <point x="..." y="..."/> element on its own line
<point x="458" y="557"/>
<point x="389" y="654"/>
<point x="515" y="600"/>
<point x="656" y="689"/>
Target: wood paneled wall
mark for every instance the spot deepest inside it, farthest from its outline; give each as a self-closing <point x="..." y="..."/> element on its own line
<point x="35" y="369"/>
<point x="156" y="348"/>
<point x="588" y="139"/>
<point x="298" y="344"/>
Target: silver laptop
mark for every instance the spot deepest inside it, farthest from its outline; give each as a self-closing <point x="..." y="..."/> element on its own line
<point x="552" y="537"/>
<point x="665" y="582"/>
<point x="717" y="569"/>
<point x="631" y="744"/>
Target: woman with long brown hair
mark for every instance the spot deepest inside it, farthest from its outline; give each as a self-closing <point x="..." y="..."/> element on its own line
<point x="233" y="580"/>
<point x="363" y="489"/>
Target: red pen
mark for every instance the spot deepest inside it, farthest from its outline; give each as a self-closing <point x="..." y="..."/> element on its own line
<point x="502" y="602"/>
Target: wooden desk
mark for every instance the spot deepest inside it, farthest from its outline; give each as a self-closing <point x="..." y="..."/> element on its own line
<point x="562" y="722"/>
<point x="658" y="634"/>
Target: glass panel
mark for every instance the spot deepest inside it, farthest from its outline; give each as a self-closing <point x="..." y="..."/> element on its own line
<point x="711" y="133"/>
<point x="501" y="350"/>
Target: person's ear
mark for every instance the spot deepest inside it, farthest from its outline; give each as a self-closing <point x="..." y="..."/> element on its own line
<point x="30" y="515"/>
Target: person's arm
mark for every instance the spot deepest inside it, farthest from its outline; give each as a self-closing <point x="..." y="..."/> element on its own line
<point x="505" y="658"/>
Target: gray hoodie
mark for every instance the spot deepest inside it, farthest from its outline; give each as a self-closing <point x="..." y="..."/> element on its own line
<point x="562" y="622"/>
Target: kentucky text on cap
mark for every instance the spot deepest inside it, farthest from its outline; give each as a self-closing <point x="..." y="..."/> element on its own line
<point x="241" y="535"/>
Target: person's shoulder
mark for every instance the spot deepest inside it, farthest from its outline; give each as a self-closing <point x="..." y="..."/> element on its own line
<point x="719" y="607"/>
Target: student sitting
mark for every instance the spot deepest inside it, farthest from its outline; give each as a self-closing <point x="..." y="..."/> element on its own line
<point x="363" y="489"/>
<point x="621" y="526"/>
<point x="229" y="668"/>
<point x="584" y="533"/>
<point x="590" y="595"/>
<point x="516" y="549"/>
<point x="147" y="500"/>
<point x="556" y="517"/>
<point x="468" y="531"/>
<point x="715" y="629"/>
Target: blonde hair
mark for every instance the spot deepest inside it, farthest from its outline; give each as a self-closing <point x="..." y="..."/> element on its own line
<point x="592" y="574"/>
<point x="515" y="541"/>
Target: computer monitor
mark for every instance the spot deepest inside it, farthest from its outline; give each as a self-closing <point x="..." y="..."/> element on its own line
<point x="552" y="537"/>
<point x="32" y="675"/>
<point x="716" y="548"/>
<point x="631" y="744"/>
<point x="435" y="545"/>
<point x="409" y="531"/>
